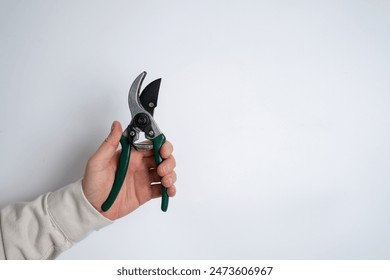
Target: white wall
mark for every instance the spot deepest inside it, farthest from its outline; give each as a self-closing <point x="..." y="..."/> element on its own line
<point x="278" y="110"/>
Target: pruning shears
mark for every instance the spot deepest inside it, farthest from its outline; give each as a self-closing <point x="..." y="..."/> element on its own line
<point x="141" y="109"/>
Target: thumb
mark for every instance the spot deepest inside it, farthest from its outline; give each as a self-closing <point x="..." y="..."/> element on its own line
<point x="108" y="148"/>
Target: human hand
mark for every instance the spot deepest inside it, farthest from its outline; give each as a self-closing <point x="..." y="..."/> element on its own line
<point x="137" y="187"/>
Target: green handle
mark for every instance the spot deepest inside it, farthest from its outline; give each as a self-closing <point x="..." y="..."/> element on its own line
<point x="120" y="173"/>
<point x="157" y="143"/>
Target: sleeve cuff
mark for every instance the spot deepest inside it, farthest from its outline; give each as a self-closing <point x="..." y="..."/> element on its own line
<point x="73" y="214"/>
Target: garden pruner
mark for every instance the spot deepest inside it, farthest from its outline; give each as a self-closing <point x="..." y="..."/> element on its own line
<point x="141" y="109"/>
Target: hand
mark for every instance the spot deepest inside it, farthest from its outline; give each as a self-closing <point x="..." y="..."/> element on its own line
<point x="137" y="187"/>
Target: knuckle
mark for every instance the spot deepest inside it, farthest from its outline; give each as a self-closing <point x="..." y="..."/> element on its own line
<point x="166" y="166"/>
<point x="169" y="179"/>
<point x="166" y="181"/>
<point x="160" y="170"/>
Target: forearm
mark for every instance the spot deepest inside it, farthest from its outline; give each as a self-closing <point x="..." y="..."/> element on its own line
<point x="47" y="226"/>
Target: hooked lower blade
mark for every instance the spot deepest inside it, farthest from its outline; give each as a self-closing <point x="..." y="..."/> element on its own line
<point x="149" y="96"/>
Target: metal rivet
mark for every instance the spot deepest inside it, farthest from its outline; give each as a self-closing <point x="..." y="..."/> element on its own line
<point x="151" y="104"/>
<point x="142" y="120"/>
<point x="151" y="133"/>
<point x="132" y="133"/>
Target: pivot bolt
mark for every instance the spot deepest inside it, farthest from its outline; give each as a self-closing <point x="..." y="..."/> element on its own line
<point x="142" y="120"/>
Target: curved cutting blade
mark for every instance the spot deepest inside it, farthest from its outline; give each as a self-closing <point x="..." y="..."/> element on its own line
<point x="149" y="96"/>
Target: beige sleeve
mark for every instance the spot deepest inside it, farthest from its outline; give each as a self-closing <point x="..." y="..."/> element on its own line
<point x="49" y="225"/>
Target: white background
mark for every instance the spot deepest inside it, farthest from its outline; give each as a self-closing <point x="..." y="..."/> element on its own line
<point x="278" y="111"/>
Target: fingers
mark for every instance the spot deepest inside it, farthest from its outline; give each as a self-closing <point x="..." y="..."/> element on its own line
<point x="153" y="177"/>
<point x="167" y="166"/>
<point x="164" y="174"/>
<point x="171" y="191"/>
<point x="108" y="148"/>
<point x="166" y="150"/>
<point x="157" y="191"/>
<point x="168" y="180"/>
<point x="166" y="169"/>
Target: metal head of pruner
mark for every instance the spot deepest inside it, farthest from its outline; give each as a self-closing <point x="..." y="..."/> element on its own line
<point x="141" y="108"/>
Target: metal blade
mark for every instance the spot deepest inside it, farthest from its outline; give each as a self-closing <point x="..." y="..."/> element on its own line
<point x="136" y="107"/>
<point x="149" y="96"/>
<point x="133" y="99"/>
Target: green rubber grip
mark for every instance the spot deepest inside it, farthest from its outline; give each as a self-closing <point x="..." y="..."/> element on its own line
<point x="120" y="173"/>
<point x="157" y="143"/>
